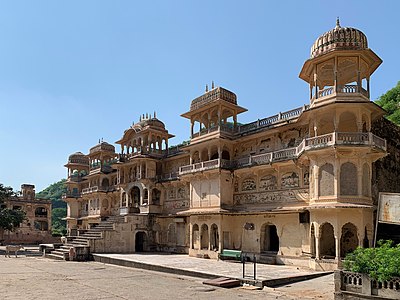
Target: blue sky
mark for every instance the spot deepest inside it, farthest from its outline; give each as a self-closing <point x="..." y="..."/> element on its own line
<point x="72" y="72"/>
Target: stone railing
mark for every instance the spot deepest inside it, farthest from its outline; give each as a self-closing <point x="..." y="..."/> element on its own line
<point x="283" y="116"/>
<point x="204" y="166"/>
<point x="95" y="189"/>
<point x="350" y="285"/>
<point x="343" y="89"/>
<point x="75" y="178"/>
<point x="167" y="176"/>
<point x="322" y="141"/>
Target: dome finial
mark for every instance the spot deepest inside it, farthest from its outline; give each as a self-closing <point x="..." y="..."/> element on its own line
<point x="337" y="22"/>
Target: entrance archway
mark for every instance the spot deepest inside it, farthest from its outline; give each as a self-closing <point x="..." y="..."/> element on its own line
<point x="327" y="241"/>
<point x="349" y="239"/>
<point x="140" y="241"/>
<point x="269" y="238"/>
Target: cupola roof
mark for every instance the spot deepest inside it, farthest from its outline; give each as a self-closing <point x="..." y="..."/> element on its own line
<point x="78" y="158"/>
<point x="339" y="38"/>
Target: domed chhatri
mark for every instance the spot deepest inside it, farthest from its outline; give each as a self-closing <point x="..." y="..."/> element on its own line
<point x="78" y="158"/>
<point x="339" y="38"/>
<point x="148" y="121"/>
<point x="102" y="146"/>
<point x="340" y="67"/>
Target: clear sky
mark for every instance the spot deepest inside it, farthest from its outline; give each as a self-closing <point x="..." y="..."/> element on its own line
<point x="72" y="72"/>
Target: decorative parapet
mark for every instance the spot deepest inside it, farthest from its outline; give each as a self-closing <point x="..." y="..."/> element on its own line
<point x="213" y="95"/>
<point x="351" y="285"/>
<point x="282" y="116"/>
<point x="322" y="141"/>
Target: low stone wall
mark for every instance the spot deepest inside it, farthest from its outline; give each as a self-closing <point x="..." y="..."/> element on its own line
<point x="350" y="285"/>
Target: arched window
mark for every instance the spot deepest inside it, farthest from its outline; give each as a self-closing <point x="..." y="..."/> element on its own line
<point x="326" y="180"/>
<point x="41" y="212"/>
<point x="348" y="179"/>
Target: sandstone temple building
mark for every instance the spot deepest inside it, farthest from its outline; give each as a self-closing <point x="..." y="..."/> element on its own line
<point x="37" y="226"/>
<point x="297" y="187"/>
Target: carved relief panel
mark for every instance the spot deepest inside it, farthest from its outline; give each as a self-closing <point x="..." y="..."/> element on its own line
<point x="268" y="183"/>
<point x="290" y="180"/>
<point x="249" y="185"/>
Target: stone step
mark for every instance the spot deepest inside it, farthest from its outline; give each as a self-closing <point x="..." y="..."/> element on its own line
<point x="61" y="250"/>
<point x="97" y="229"/>
<point x="55" y="256"/>
<point x="91" y="234"/>
<point x="80" y="240"/>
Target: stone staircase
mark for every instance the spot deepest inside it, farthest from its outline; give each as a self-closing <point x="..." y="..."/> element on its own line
<point x="81" y="242"/>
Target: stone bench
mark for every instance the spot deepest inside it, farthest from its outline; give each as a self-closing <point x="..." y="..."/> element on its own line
<point x="230" y="254"/>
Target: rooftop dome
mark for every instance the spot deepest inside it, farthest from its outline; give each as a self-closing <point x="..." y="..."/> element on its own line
<point x="339" y="38"/>
<point x="78" y="158"/>
<point x="102" y="146"/>
<point x="151" y="122"/>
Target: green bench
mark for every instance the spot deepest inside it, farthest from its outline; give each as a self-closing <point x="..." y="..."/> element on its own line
<point x="230" y="254"/>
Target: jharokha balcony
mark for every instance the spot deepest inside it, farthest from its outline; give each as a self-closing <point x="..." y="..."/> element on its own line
<point x="313" y="143"/>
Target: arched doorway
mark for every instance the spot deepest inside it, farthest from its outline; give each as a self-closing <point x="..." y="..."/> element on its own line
<point x="269" y="238"/>
<point x="349" y="239"/>
<point x="327" y="241"/>
<point x="214" y="243"/>
<point x="195" y="236"/>
<point x="140" y="241"/>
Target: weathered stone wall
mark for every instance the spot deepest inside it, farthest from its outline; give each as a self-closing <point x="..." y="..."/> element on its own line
<point x="386" y="171"/>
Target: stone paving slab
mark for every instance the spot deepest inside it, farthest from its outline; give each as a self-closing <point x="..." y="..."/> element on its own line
<point x="214" y="268"/>
<point x="46" y="279"/>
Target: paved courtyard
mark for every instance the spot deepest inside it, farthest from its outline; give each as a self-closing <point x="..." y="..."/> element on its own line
<point x="211" y="266"/>
<point x="42" y="278"/>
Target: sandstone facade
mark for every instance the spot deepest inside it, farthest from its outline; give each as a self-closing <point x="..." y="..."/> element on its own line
<point x="297" y="187"/>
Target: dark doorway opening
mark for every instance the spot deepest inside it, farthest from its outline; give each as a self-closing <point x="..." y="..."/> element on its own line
<point x="140" y="241"/>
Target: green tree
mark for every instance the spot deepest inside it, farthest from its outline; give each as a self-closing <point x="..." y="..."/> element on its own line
<point x="58" y="224"/>
<point x="390" y="101"/>
<point x="381" y="263"/>
<point x="54" y="193"/>
<point x="9" y="218"/>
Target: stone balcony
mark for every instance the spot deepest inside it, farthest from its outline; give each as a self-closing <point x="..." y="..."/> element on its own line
<point x="313" y="143"/>
<point x="96" y="189"/>
<point x="204" y="166"/>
